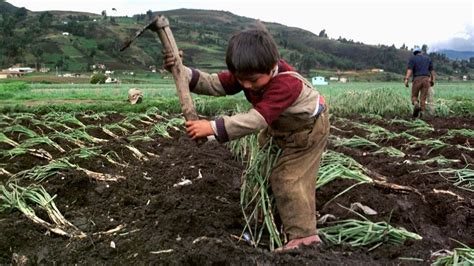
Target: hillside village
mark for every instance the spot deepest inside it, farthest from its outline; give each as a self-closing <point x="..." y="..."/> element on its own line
<point x="68" y="43"/>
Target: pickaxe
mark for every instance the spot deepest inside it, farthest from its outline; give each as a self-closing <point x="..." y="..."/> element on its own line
<point x="161" y="26"/>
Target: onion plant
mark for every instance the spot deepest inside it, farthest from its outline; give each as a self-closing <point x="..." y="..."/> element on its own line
<point x="376" y="132"/>
<point x="365" y="232"/>
<point x="51" y="125"/>
<point x="83" y="135"/>
<point x="19" y="198"/>
<point x="41" y="172"/>
<point x="3" y="171"/>
<point x="7" y="140"/>
<point x="63" y="117"/>
<point x="417" y="123"/>
<point x="462" y="178"/>
<point x="354" y="142"/>
<point x="463" y="132"/>
<point x="337" y="165"/>
<point x="41" y="140"/>
<point x="137" y="153"/>
<point x="439" y="160"/>
<point x="244" y="148"/>
<point x="408" y="136"/>
<point x="464" y="148"/>
<point x="22" y="116"/>
<point x="86" y="153"/>
<point x="95" y="116"/>
<point x="434" y="144"/>
<point x="255" y="200"/>
<point x="140" y="117"/>
<point x="330" y="172"/>
<point x="161" y="128"/>
<point x="116" y="127"/>
<point x="391" y="151"/>
<point x="133" y="138"/>
<point x="110" y="133"/>
<point x="17" y="151"/>
<point x="22" y="130"/>
<point x="459" y="256"/>
<point x="68" y="137"/>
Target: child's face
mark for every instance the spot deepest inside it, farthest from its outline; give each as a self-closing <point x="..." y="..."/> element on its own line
<point x="255" y="82"/>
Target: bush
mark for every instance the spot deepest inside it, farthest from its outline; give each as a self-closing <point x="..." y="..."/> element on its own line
<point x="98" y="78"/>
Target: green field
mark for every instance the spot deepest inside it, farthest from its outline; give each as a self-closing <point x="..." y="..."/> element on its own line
<point x="380" y="98"/>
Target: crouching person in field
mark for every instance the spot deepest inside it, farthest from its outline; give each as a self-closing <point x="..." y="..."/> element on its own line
<point x="135" y="96"/>
<point x="285" y="107"/>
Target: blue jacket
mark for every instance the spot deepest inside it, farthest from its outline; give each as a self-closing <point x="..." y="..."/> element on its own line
<point x="421" y="65"/>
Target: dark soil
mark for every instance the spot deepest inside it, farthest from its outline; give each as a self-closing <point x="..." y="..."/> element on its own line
<point x="164" y="224"/>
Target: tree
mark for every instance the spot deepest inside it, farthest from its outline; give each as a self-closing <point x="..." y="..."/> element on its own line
<point x="37" y="52"/>
<point x="149" y="14"/>
<point x="104" y="14"/>
<point x="308" y="61"/>
<point x="45" y="20"/>
<point x="98" y="78"/>
<point x="424" y="48"/>
<point x="21" y="13"/>
<point x="323" y="34"/>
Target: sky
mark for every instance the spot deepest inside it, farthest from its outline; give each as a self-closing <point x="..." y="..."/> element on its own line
<point x="441" y="24"/>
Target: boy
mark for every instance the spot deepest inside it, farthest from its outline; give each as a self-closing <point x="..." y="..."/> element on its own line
<point x="285" y="107"/>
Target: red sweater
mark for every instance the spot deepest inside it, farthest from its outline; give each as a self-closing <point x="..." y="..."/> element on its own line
<point x="271" y="101"/>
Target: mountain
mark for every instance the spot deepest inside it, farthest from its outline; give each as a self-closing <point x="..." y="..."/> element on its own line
<point x="74" y="41"/>
<point x="457" y="55"/>
<point x="6" y="8"/>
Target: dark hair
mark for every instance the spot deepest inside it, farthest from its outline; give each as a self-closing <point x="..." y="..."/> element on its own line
<point x="416" y="52"/>
<point x="251" y="51"/>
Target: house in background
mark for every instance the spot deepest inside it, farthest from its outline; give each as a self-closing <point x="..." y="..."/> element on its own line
<point x="318" y="80"/>
<point x="17" y="68"/>
<point x="11" y="74"/>
<point x="15" y="71"/>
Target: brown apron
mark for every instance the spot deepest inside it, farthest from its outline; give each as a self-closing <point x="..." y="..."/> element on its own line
<point x="293" y="178"/>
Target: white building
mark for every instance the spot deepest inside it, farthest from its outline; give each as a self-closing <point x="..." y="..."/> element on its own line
<point x="21" y="69"/>
<point x="318" y="80"/>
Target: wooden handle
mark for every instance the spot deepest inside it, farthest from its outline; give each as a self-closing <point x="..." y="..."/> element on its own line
<point x="178" y="70"/>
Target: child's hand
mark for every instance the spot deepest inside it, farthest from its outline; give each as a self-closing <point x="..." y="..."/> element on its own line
<point x="169" y="59"/>
<point x="199" y="129"/>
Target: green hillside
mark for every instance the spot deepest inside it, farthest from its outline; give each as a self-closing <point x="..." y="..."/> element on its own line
<point x="74" y="41"/>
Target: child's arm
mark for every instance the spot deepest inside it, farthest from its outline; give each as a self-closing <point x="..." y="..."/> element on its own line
<point x="204" y="83"/>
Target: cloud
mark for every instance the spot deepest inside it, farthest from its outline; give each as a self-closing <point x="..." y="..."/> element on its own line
<point x="464" y="42"/>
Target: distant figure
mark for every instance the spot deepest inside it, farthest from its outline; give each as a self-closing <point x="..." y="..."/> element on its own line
<point x="135" y="96"/>
<point x="421" y="67"/>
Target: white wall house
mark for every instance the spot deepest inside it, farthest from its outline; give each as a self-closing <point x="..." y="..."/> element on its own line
<point x="318" y="80"/>
<point x="21" y="69"/>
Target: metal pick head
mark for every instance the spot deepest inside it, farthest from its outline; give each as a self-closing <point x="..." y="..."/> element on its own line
<point x="137" y="34"/>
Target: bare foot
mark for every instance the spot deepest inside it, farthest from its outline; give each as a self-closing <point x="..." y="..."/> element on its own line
<point x="298" y="242"/>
